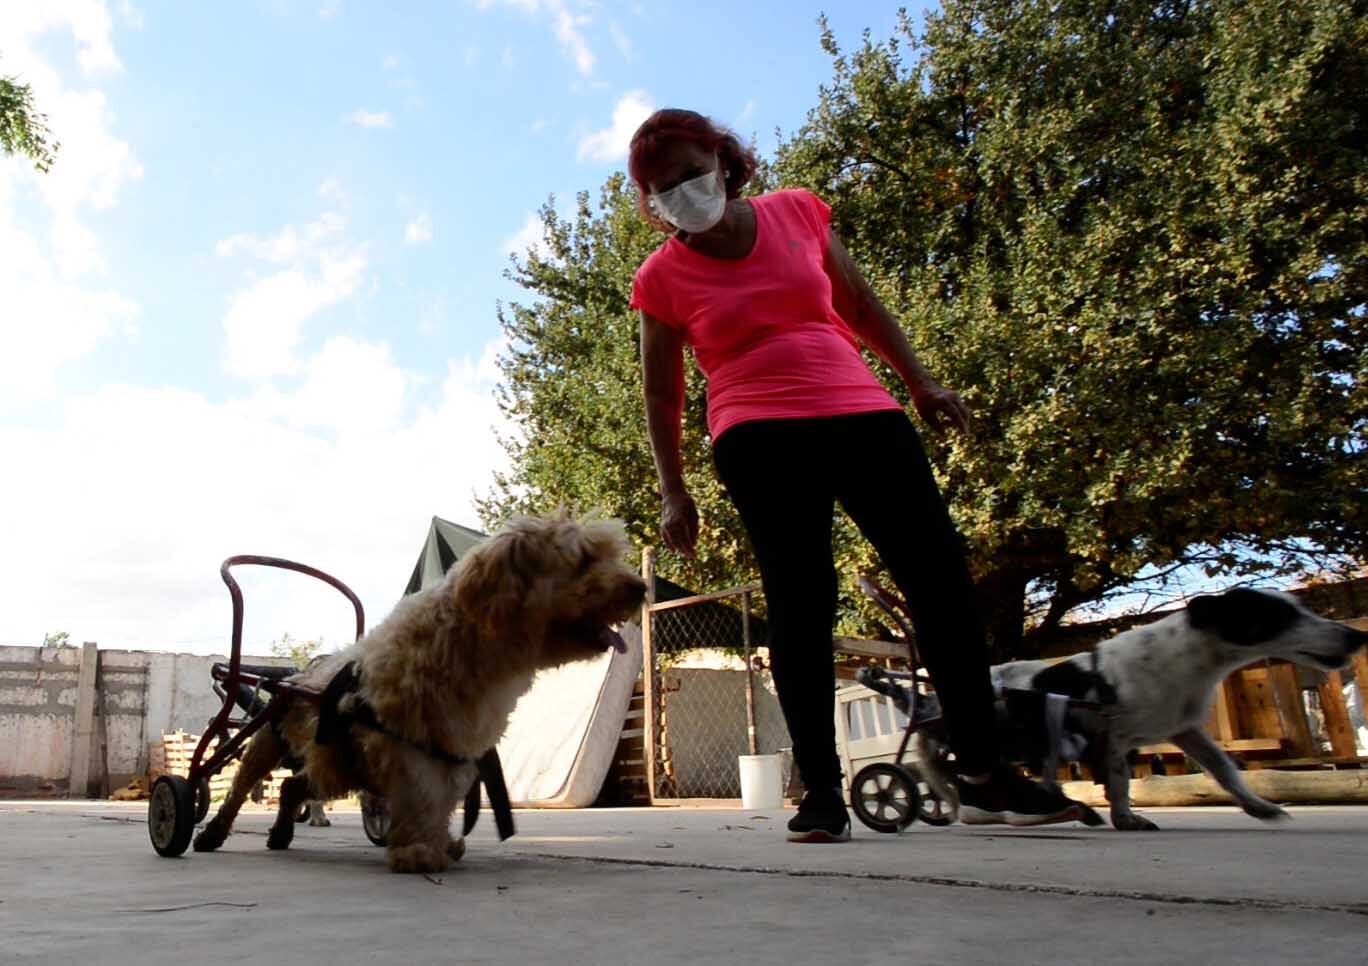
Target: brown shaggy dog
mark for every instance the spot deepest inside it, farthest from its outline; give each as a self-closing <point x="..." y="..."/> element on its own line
<point x="441" y="675"/>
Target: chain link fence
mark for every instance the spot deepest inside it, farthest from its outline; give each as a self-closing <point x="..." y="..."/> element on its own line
<point x="710" y="697"/>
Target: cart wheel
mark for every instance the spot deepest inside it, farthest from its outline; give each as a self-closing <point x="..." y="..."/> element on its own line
<point x="933" y="809"/>
<point x="375" y="818"/>
<point x="201" y="800"/>
<point x="885" y="797"/>
<point x="171" y="815"/>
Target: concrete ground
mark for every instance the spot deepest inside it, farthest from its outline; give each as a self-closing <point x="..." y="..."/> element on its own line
<point x="79" y="883"/>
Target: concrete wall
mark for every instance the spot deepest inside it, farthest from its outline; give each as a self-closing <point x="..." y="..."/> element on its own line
<point x="37" y="713"/>
<point x="139" y="695"/>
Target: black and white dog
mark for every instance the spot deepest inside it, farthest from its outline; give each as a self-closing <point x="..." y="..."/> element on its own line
<point x="1159" y="681"/>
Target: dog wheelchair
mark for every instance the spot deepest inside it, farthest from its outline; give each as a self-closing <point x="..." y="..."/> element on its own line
<point x="1037" y="730"/>
<point x="248" y="691"/>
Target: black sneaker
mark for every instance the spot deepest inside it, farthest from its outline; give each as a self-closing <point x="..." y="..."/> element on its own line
<point x="821" y="817"/>
<point x="1010" y="798"/>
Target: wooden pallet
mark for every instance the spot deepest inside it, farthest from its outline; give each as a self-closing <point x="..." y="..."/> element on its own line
<point x="173" y="754"/>
<point x="625" y="783"/>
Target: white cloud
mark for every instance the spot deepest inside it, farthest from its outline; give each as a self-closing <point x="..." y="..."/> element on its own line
<point x="56" y="308"/>
<point x="621" y="41"/>
<point x="567" y="25"/>
<point x="289" y="244"/>
<point x="349" y="387"/>
<point x="329" y="9"/>
<point x="390" y="63"/>
<point x="746" y="114"/>
<point x="373" y="119"/>
<point x="431" y="313"/>
<point x="419" y="230"/>
<point x="343" y="473"/>
<point x="131" y="15"/>
<point x="539" y="125"/>
<point x="471" y="55"/>
<point x="611" y="143"/>
<point x="47" y="321"/>
<point x="88" y="21"/>
<point x="332" y="190"/>
<point x="529" y="236"/>
<point x="506" y="58"/>
<point x="317" y="268"/>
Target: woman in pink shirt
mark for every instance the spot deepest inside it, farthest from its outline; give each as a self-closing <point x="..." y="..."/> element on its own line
<point x="774" y="310"/>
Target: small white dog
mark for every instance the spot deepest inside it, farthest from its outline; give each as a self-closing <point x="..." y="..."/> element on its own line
<point x="1159" y="682"/>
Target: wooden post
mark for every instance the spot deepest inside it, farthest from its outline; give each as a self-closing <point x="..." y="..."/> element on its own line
<point x="648" y="674"/>
<point x="1282" y="680"/>
<point x="1337" y="725"/>
<point x="750" y="673"/>
<point x="83" y="731"/>
<point x="1225" y="720"/>
<point x="1361" y="676"/>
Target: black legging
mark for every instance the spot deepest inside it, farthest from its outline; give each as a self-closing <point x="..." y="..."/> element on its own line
<point x="785" y="477"/>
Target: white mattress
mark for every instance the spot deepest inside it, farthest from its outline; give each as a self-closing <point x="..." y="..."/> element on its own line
<point x="564" y="732"/>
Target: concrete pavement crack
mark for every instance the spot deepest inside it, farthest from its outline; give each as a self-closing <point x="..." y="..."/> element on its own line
<point x="1248" y="902"/>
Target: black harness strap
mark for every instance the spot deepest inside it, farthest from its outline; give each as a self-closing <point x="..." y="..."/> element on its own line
<point x="491" y="774"/>
<point x="1098" y="752"/>
<point x="334" y="724"/>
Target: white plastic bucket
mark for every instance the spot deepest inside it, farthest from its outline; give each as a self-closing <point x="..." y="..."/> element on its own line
<point x="762" y="781"/>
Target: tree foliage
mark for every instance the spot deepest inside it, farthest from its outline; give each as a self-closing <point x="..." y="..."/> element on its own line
<point x="23" y="130"/>
<point x="299" y="652"/>
<point x="1134" y="235"/>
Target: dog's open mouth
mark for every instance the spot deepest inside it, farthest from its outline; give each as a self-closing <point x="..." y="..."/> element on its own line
<point x="611" y="639"/>
<point x="600" y="637"/>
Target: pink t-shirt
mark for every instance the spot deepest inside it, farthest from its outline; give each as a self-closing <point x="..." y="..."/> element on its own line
<point x="763" y="328"/>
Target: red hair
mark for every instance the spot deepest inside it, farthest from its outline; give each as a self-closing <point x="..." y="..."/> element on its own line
<point x="670" y="126"/>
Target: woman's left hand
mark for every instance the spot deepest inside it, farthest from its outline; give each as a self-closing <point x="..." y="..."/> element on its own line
<point x="940" y="407"/>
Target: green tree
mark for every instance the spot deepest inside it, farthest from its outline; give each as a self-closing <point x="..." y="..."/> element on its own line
<point x="300" y="652"/>
<point x="23" y="130"/>
<point x="1136" y="236"/>
<point x="57" y="639"/>
<point x="1133" y="235"/>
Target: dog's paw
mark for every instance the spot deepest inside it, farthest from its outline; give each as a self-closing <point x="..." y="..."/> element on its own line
<point x="210" y="837"/>
<point x="456" y="849"/>
<point x="1130" y="822"/>
<point x="1267" y="811"/>
<point x="419" y="857"/>
<point x="280" y="837"/>
<point x="1088" y="816"/>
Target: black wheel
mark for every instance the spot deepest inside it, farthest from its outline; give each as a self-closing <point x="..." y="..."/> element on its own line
<point x="375" y="818"/>
<point x="171" y="815"/>
<point x="933" y="810"/>
<point x="201" y="800"/>
<point x="884" y="797"/>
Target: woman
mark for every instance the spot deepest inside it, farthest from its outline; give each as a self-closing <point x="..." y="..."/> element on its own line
<point x="772" y="306"/>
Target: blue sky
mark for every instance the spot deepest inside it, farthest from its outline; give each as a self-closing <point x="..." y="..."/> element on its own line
<point x="251" y="309"/>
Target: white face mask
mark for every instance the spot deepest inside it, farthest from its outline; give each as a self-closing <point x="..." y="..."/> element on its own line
<point x="694" y="205"/>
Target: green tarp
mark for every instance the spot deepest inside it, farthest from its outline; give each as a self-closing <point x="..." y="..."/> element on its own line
<point x="446" y="543"/>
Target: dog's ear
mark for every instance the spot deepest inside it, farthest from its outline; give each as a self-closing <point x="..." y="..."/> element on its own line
<point x="1242" y="616"/>
<point x="492" y="580"/>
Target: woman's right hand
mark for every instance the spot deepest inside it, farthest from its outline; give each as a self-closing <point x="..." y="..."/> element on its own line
<point x="679" y="522"/>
